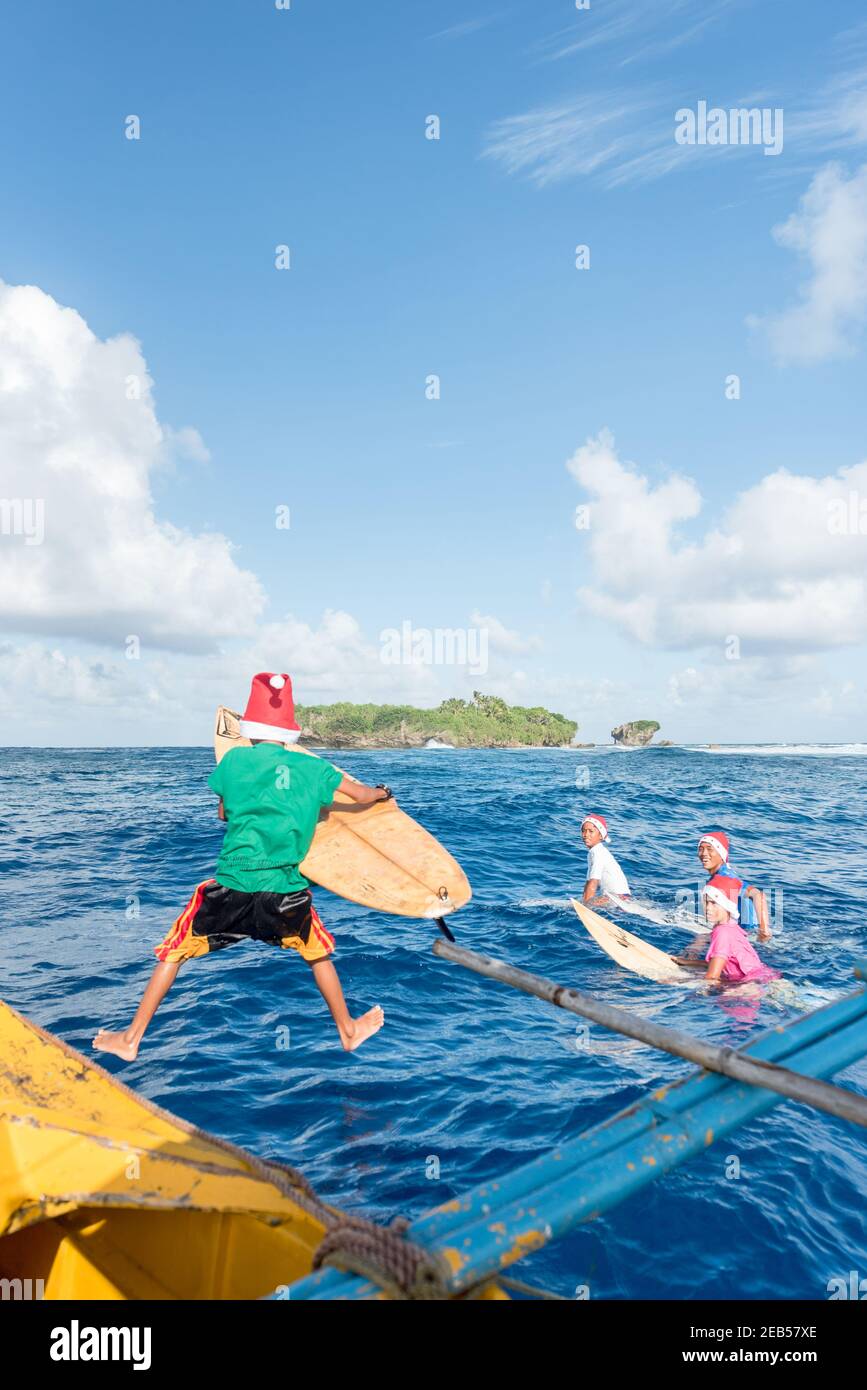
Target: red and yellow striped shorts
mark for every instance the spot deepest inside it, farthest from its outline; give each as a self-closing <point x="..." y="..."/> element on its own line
<point x="216" y="917"/>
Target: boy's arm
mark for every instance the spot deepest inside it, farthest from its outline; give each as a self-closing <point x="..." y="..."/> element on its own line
<point x="591" y="888"/>
<point x="364" y="795"/>
<point x="221" y="810"/>
<point x="760" y="901"/>
<point x="715" y="968"/>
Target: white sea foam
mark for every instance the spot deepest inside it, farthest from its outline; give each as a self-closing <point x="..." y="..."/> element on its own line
<point x="435" y="743"/>
<point x="792" y="750"/>
<point x="544" y="902"/>
<point x="663" y="917"/>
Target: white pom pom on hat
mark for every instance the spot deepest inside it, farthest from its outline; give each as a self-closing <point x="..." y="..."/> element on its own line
<point x="270" y="712"/>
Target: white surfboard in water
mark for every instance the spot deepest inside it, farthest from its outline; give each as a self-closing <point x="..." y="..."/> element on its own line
<point x="630" y="951"/>
<point x="670" y="918"/>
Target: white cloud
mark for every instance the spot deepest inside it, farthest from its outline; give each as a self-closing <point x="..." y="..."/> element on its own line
<point x="72" y="438"/>
<point x="829" y="232"/>
<point x="501" y="638"/>
<point x="188" y="443"/>
<point x="47" y="676"/>
<point x="764" y="700"/>
<point x="336" y="662"/>
<point x="79" y="433"/>
<point x="723" y="684"/>
<point x="771" y="572"/>
<point x="171" y="696"/>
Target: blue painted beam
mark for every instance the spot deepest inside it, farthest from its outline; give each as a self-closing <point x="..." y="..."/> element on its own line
<point x="497" y="1222"/>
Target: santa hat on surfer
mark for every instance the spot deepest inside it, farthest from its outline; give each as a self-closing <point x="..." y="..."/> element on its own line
<point x="724" y="893"/>
<point x="716" y="847"/>
<point x="270" y="712"/>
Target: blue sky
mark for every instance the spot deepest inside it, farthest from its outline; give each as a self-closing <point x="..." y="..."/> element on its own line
<point x="411" y="256"/>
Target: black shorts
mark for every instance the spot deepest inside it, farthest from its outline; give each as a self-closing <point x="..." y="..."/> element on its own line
<point x="216" y="917"/>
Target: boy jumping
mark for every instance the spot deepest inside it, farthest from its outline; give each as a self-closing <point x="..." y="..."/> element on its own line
<point x="270" y="797"/>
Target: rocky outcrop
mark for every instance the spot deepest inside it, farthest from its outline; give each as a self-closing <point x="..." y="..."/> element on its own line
<point x="635" y="735"/>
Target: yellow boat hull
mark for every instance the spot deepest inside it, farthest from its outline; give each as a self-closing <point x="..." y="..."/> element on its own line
<point x="103" y="1195"/>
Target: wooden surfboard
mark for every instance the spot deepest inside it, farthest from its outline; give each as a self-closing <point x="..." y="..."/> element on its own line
<point x="630" y="951"/>
<point x="377" y="855"/>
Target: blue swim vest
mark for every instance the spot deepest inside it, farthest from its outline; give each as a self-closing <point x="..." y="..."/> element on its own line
<point x="746" y="907"/>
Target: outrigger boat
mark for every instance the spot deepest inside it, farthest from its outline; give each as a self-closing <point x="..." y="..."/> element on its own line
<point x="103" y="1195"/>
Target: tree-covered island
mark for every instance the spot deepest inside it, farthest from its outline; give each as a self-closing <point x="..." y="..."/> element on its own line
<point x="486" y="721"/>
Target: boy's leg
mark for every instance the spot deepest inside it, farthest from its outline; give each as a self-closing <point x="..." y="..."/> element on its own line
<point x="294" y="921"/>
<point x="353" y="1031"/>
<point x="126" y="1044"/>
<point x="213" y="918"/>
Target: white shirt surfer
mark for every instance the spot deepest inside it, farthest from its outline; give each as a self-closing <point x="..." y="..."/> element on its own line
<point x="605" y="878"/>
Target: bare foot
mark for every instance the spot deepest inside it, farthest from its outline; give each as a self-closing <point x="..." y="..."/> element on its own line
<point x="360" y="1029"/>
<point x="116" y="1043"/>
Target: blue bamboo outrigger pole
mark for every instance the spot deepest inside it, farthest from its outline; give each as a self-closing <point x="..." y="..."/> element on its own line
<point x="474" y="1237"/>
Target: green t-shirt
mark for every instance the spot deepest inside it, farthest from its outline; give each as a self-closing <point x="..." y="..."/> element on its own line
<point x="272" y="797"/>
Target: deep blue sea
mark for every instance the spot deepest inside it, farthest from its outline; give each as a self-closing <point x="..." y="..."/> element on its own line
<point x="467" y="1070"/>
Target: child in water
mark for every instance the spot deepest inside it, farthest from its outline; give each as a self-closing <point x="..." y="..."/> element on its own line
<point x="270" y="797"/>
<point x="713" y="852"/>
<point x="605" y="878"/>
<point x="731" y="957"/>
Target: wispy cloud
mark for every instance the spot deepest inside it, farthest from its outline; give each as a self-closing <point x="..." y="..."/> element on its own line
<point x="851" y="44"/>
<point x="466" y="26"/>
<point x="837" y="117"/>
<point x="614" y="135"/>
<point x="639" y="26"/>
<point x="626" y="135"/>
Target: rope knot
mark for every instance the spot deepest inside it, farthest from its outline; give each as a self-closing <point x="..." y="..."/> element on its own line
<point x="399" y="1266"/>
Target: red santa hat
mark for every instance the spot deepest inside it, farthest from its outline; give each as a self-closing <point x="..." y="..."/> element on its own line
<point x="719" y="841"/>
<point x="600" y="822"/>
<point x="724" y="891"/>
<point x="270" y="711"/>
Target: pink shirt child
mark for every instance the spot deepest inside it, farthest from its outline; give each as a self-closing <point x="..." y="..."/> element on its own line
<point x="730" y="940"/>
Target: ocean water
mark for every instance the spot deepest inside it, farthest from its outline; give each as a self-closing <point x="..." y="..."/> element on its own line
<point x="101" y="848"/>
